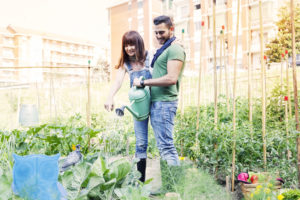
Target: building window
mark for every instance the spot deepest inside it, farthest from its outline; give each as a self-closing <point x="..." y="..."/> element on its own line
<point x="184" y="11"/>
<point x="129" y="5"/>
<point x="221" y="2"/>
<point x="140" y="4"/>
<point x="198" y="26"/>
<point x="198" y="6"/>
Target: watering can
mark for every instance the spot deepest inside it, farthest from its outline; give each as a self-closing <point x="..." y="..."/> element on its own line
<point x="139" y="103"/>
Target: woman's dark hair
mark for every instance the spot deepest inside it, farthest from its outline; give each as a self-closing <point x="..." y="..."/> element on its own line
<point x="132" y="38"/>
<point x="163" y="19"/>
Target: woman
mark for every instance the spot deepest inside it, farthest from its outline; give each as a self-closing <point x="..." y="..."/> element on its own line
<point x="134" y="60"/>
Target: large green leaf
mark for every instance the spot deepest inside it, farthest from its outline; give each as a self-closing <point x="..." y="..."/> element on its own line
<point x="94" y="181"/>
<point x="108" y="185"/>
<point x="99" y="167"/>
<point x="121" y="168"/>
<point x="72" y="180"/>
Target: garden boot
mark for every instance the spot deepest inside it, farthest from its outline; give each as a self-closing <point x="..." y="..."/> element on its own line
<point x="141" y="167"/>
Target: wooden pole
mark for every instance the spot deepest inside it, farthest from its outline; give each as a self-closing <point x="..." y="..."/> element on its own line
<point x="281" y="72"/>
<point x="234" y="97"/>
<point x="88" y="107"/>
<point x="199" y="81"/>
<point x="288" y="87"/>
<point x="226" y="77"/>
<point x="263" y="99"/>
<point x="287" y="126"/>
<point x="215" y="65"/>
<point x="295" y="86"/>
<point x="18" y="105"/>
<point x="181" y="85"/>
<point x="249" y="67"/>
<point x="221" y="46"/>
<point x="50" y="92"/>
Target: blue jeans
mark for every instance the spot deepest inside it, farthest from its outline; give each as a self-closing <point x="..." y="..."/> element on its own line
<point x="162" y="114"/>
<point x="141" y="136"/>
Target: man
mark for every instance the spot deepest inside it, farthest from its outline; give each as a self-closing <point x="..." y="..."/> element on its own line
<point x="168" y="64"/>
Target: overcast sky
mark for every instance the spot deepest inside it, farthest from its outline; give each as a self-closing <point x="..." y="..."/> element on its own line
<point x="84" y="19"/>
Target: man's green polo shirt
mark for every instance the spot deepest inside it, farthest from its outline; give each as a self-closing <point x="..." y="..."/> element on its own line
<point x="167" y="93"/>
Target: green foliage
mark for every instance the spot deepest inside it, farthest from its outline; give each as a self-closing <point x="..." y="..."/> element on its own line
<point x="291" y="195"/>
<point x="213" y="152"/>
<point x="96" y="180"/>
<point x="191" y="183"/>
<point x="283" y="40"/>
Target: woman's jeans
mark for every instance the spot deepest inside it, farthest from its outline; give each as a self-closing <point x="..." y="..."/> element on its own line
<point x="162" y="114"/>
<point x="141" y="136"/>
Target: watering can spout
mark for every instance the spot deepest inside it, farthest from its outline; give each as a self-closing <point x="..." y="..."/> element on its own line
<point x="120" y="111"/>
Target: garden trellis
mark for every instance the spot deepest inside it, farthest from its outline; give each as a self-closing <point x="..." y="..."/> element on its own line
<point x="52" y="97"/>
<point x="234" y="98"/>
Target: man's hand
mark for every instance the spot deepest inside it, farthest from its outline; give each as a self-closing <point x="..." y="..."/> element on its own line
<point x="109" y="105"/>
<point x="136" y="82"/>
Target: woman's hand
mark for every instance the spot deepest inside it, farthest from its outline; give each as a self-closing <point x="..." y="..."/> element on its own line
<point x="109" y="104"/>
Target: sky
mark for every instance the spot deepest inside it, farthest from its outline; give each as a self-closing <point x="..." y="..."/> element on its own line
<point x="83" y="19"/>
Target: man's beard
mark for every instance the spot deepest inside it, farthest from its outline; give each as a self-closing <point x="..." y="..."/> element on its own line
<point x="163" y="40"/>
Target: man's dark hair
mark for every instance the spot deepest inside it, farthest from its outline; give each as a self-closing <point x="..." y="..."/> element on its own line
<point x="163" y="19"/>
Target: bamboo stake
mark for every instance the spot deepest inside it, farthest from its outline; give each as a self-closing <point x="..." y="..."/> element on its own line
<point x="44" y="67"/>
<point x="295" y="86"/>
<point x="18" y="105"/>
<point x="226" y="78"/>
<point x="38" y="96"/>
<point x="220" y="79"/>
<point x="287" y="126"/>
<point x="199" y="80"/>
<point x="263" y="86"/>
<point x="50" y="93"/>
<point x="288" y="85"/>
<point x="234" y="96"/>
<point x="181" y="85"/>
<point x="215" y="66"/>
<point x="88" y="106"/>
<point x="281" y="72"/>
<point x="249" y="68"/>
<point x="189" y="88"/>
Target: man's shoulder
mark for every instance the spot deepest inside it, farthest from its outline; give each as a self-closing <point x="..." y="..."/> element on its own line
<point x="176" y="47"/>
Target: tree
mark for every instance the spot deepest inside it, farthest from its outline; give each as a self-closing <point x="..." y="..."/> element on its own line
<point x="283" y="39"/>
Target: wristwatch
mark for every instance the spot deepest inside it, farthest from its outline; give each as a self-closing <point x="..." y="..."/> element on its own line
<point x="142" y="82"/>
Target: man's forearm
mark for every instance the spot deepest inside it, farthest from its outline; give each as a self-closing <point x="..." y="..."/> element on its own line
<point x="162" y="81"/>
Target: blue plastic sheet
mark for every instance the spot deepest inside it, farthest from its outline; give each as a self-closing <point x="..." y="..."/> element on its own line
<point x="35" y="177"/>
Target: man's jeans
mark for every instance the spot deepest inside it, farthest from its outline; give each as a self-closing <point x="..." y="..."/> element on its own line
<point x="141" y="136"/>
<point x="162" y="114"/>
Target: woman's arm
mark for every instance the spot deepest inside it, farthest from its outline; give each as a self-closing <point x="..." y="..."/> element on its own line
<point x="109" y="104"/>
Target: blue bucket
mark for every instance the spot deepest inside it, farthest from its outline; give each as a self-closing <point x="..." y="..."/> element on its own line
<point x="35" y="177"/>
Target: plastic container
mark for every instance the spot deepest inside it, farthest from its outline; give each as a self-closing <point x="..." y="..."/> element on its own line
<point x="36" y="177"/>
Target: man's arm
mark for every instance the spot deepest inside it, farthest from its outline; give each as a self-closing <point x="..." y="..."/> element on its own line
<point x="174" y="68"/>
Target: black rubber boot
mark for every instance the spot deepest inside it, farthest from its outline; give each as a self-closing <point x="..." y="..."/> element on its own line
<point x="141" y="167"/>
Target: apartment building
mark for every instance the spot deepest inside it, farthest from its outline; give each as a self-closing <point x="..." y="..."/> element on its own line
<point x="125" y="15"/>
<point x="21" y="47"/>
<point x="189" y="14"/>
<point x="7" y="54"/>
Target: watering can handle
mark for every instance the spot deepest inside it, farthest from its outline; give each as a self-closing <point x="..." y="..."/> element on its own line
<point x="140" y="78"/>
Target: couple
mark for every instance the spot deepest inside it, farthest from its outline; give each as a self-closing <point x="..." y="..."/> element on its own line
<point x="167" y="65"/>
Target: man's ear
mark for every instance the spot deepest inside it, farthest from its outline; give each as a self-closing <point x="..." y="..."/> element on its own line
<point x="172" y="28"/>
